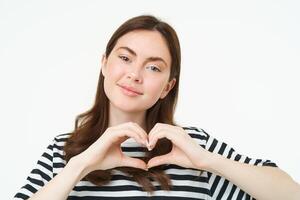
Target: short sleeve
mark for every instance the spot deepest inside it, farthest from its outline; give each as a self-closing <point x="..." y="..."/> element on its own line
<point x="221" y="188"/>
<point x="41" y="174"/>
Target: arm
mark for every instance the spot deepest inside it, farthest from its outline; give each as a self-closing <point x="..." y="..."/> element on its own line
<point x="260" y="182"/>
<point x="96" y="157"/>
<point x="62" y="184"/>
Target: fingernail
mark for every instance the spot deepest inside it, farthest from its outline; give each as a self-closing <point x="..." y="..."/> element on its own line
<point x="145" y="143"/>
<point x="149" y="147"/>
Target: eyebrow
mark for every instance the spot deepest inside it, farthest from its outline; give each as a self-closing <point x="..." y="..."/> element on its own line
<point x="152" y="58"/>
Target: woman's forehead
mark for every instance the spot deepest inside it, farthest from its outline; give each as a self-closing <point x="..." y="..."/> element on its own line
<point x="145" y="43"/>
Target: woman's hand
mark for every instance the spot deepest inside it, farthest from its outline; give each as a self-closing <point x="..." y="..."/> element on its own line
<point x="186" y="152"/>
<point x="106" y="152"/>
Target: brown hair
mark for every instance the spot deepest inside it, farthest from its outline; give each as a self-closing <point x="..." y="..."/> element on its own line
<point x="90" y="125"/>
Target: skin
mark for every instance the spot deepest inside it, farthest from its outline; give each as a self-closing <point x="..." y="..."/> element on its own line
<point x="123" y="67"/>
<point x="126" y="120"/>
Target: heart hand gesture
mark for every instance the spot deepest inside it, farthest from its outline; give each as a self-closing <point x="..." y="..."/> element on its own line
<point x="186" y="152"/>
<point x="106" y="152"/>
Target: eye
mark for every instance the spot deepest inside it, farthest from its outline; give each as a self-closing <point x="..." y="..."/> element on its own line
<point x="124" y="58"/>
<point x="153" y="67"/>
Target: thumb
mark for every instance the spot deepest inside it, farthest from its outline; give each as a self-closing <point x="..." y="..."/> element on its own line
<point x="133" y="162"/>
<point x="159" y="160"/>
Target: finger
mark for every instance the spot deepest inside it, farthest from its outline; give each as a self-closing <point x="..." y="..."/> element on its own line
<point x="142" y="133"/>
<point x="159" y="160"/>
<point x="133" y="162"/>
<point x="154" y="130"/>
<point x="123" y="134"/>
<point x="129" y="126"/>
<point x="174" y="134"/>
<point x="159" y="134"/>
<point x="156" y="127"/>
<point x="159" y="126"/>
<point x="137" y="129"/>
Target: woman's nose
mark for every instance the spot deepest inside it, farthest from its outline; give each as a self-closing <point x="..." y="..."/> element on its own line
<point x="135" y="75"/>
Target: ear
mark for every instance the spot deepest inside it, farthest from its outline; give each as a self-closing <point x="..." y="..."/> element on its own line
<point x="168" y="88"/>
<point x="103" y="64"/>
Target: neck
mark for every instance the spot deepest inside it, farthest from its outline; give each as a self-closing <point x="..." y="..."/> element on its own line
<point x="117" y="117"/>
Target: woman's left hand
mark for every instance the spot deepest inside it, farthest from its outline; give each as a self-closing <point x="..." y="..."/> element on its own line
<point x="186" y="152"/>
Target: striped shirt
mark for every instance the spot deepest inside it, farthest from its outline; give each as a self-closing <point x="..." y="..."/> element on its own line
<point x="187" y="184"/>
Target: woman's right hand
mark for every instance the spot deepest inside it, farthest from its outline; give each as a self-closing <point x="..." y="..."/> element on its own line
<point x="106" y="153"/>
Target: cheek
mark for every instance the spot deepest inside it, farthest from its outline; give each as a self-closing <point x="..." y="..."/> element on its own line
<point x="155" y="88"/>
<point x="115" y="70"/>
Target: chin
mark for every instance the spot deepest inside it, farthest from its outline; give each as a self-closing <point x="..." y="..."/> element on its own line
<point x="129" y="107"/>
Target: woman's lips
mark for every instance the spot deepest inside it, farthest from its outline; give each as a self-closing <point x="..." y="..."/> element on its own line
<point x="130" y="91"/>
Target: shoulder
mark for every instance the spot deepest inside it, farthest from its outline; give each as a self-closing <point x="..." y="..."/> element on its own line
<point x="59" y="141"/>
<point x="197" y="134"/>
<point x="206" y="140"/>
<point x="62" y="137"/>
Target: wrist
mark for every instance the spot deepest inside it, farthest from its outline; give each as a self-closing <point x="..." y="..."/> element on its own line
<point x="212" y="161"/>
<point x="77" y="165"/>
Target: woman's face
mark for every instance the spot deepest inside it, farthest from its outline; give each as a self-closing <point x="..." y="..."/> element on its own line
<point x="140" y="61"/>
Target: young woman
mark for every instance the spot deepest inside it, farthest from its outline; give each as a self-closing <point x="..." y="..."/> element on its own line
<point x="127" y="146"/>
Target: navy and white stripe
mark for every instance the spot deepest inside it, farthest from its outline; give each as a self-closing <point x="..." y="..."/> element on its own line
<point x="187" y="183"/>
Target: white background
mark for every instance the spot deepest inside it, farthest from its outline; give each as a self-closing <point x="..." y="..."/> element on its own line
<point x="240" y="73"/>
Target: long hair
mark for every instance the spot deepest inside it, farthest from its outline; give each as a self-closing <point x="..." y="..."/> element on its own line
<point x="90" y="125"/>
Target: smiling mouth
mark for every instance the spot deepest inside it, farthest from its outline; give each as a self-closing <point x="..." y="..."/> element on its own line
<point x="129" y="92"/>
